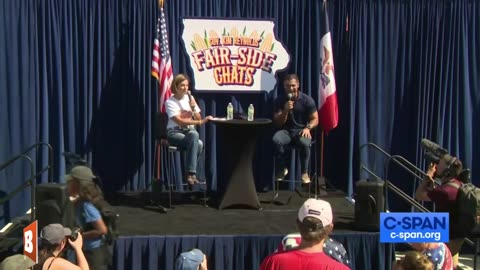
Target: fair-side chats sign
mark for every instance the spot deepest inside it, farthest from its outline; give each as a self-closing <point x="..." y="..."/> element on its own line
<point x="233" y="55"/>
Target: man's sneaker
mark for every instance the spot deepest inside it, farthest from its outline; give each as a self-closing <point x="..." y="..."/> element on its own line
<point x="281" y="175"/>
<point x="305" y="178"/>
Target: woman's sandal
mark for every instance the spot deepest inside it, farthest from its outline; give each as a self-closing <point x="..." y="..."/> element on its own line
<point x="192" y="180"/>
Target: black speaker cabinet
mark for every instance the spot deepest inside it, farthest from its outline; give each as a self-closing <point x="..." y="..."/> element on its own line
<point x="53" y="205"/>
<point x="369" y="203"/>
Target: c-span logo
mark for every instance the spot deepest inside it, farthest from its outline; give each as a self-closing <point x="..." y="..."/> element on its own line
<point x="30" y="247"/>
<point x="414" y="227"/>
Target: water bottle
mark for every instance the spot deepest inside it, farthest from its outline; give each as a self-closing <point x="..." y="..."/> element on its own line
<point x="230" y="111"/>
<point x="251" y="112"/>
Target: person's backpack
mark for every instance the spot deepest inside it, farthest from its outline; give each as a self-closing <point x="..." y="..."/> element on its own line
<point x="110" y="218"/>
<point x="466" y="215"/>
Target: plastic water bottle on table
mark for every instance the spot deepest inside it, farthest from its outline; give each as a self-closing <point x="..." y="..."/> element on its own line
<point x="230" y="111"/>
<point x="251" y="112"/>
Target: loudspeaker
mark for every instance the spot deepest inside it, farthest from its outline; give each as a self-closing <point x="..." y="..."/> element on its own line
<point x="53" y="205"/>
<point x="369" y="203"/>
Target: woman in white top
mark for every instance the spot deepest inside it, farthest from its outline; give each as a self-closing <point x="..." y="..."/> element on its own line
<point x="183" y="114"/>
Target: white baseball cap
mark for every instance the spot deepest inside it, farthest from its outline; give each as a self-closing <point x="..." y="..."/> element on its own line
<point x="318" y="209"/>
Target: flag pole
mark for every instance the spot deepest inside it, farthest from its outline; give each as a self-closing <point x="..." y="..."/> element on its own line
<point x="158" y="149"/>
<point x="321" y="153"/>
<point x="321" y="188"/>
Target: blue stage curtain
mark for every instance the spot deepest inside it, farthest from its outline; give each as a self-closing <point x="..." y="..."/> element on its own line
<point x="413" y="74"/>
<point x="237" y="252"/>
<point x="76" y="74"/>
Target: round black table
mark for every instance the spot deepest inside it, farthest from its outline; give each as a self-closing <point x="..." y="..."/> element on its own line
<point x="236" y="157"/>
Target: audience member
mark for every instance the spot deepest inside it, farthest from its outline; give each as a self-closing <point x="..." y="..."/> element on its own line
<point x="331" y="247"/>
<point x="438" y="254"/>
<point x="315" y="223"/>
<point x="18" y="261"/>
<point x="413" y="260"/>
<point x="52" y="241"/>
<point x="191" y="260"/>
<point x="85" y="195"/>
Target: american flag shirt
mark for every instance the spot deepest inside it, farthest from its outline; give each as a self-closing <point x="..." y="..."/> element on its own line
<point x="440" y="256"/>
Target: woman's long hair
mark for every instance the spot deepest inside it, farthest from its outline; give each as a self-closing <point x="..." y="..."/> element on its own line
<point x="90" y="191"/>
<point x="45" y="252"/>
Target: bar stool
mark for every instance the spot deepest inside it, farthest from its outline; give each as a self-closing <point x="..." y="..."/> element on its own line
<point x="313" y="175"/>
<point x="168" y="154"/>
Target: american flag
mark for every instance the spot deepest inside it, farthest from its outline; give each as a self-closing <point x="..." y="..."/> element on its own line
<point x="162" y="62"/>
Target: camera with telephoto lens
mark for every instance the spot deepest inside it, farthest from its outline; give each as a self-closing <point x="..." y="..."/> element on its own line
<point x="74" y="234"/>
<point x="433" y="152"/>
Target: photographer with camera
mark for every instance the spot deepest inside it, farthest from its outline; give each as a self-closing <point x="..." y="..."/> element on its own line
<point x="441" y="187"/>
<point x="53" y="240"/>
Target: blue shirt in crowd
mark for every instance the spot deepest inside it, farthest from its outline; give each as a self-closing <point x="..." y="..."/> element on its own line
<point x="85" y="214"/>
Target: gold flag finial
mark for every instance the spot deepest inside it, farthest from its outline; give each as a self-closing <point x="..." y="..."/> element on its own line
<point x="160" y="3"/>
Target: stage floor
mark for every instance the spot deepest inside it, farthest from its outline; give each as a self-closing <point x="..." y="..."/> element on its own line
<point x="138" y="216"/>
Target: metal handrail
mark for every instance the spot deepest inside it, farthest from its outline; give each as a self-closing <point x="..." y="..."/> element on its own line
<point x="402" y="161"/>
<point x="399" y="160"/>
<point x="399" y="192"/>
<point x="32" y="180"/>
<point x="50" y="158"/>
<point x="376" y="148"/>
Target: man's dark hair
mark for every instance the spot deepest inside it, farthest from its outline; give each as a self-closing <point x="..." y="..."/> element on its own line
<point x="454" y="166"/>
<point x="416" y="261"/>
<point x="457" y="167"/>
<point x="291" y="77"/>
<point x="312" y="230"/>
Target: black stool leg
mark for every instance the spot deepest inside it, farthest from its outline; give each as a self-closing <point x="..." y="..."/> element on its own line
<point x="475" y="254"/>
<point x="276" y="187"/>
<point x="170" y="177"/>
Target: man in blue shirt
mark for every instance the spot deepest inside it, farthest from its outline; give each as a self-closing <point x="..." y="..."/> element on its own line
<point x="295" y="114"/>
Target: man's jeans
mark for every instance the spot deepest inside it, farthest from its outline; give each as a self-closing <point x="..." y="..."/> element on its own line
<point x="187" y="140"/>
<point x="283" y="138"/>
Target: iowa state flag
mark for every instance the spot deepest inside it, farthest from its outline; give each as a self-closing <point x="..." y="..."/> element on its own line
<point x="327" y="95"/>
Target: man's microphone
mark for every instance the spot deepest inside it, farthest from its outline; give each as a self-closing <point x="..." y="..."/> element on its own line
<point x="290" y="97"/>
<point x="189" y="94"/>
